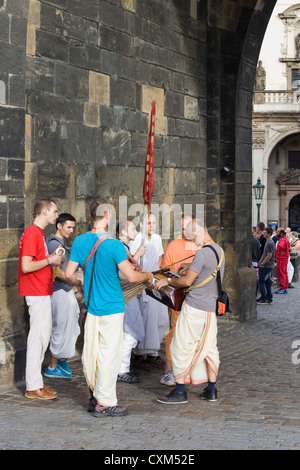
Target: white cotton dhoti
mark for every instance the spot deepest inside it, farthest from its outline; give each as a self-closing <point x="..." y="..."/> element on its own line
<point x="102" y="355"/>
<point x="194" y="345"/>
<point x="65" y="327"/>
<point x="129" y="343"/>
<point x="156" y="321"/>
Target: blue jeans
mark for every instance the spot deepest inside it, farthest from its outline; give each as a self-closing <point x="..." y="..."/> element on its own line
<point x="265" y="283"/>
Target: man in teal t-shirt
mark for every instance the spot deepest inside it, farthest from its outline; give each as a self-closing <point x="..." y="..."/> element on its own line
<point x="103" y="334"/>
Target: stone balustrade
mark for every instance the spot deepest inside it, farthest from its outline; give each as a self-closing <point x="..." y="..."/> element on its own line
<point x="277" y="97"/>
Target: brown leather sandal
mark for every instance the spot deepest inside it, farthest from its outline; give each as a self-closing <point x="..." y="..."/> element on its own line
<point x="40" y="394"/>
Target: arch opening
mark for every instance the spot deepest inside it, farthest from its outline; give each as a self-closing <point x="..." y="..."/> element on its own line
<point x="294" y="213"/>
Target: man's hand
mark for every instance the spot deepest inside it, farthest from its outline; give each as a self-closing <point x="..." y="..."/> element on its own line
<point x="140" y="252"/>
<point x="183" y="269"/>
<point x="150" y="277"/>
<point x="55" y="259"/>
<point x="161" y="283"/>
<point x="30" y="266"/>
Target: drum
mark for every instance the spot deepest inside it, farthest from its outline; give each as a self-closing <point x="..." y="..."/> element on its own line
<point x="79" y="296"/>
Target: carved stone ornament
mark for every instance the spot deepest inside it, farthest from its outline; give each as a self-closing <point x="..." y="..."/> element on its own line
<point x="289" y="178"/>
<point x="258" y="142"/>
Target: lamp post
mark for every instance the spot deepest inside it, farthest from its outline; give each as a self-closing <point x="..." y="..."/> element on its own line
<point x="258" y="194"/>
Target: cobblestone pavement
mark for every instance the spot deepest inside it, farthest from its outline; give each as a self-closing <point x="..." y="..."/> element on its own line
<point x="258" y="405"/>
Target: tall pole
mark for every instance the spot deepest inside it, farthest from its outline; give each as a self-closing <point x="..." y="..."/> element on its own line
<point x="149" y="173"/>
<point x="258" y="211"/>
<point x="258" y="194"/>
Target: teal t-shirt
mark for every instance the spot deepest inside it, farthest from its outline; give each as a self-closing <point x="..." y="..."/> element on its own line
<point x="106" y="294"/>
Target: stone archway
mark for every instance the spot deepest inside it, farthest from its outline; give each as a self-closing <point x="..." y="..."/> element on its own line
<point x="236" y="152"/>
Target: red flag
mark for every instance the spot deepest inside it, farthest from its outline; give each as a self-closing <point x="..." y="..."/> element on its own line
<point x="149" y="166"/>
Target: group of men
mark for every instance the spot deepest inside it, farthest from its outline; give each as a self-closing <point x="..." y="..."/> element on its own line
<point x="114" y="330"/>
<point x="272" y="247"/>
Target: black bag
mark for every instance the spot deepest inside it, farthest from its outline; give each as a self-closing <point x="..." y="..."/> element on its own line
<point x="222" y="305"/>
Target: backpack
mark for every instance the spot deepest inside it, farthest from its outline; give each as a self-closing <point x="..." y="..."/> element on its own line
<point x="222" y="305"/>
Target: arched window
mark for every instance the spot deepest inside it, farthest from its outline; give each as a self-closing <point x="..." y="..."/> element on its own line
<point x="294" y="213"/>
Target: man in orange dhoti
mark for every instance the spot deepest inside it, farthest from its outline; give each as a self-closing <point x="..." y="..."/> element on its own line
<point x="194" y="352"/>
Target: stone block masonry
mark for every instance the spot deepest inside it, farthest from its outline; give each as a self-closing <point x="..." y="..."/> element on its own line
<point x="101" y="72"/>
<point x="77" y="82"/>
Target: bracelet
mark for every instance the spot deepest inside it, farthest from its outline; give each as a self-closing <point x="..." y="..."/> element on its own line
<point x="48" y="262"/>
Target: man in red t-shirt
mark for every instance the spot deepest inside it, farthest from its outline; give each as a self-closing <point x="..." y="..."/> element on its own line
<point x="282" y="256"/>
<point x="36" y="284"/>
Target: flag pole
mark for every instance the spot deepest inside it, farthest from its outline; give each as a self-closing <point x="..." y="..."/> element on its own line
<point x="143" y="218"/>
<point x="149" y="173"/>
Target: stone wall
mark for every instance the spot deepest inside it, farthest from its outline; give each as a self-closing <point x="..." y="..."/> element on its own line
<point x="79" y="78"/>
<point x="13" y="26"/>
<point x="91" y="75"/>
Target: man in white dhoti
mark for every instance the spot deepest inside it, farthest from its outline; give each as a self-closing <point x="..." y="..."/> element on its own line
<point x="194" y="352"/>
<point x="65" y="308"/>
<point x="133" y="327"/>
<point x="103" y="332"/>
<point x="155" y="314"/>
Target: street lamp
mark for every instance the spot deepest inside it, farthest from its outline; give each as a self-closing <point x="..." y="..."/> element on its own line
<point x="258" y="194"/>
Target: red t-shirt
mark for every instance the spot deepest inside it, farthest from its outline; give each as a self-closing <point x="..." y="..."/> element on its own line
<point x="32" y="243"/>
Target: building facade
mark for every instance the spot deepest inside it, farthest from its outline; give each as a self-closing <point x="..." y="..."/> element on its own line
<point x="276" y="119"/>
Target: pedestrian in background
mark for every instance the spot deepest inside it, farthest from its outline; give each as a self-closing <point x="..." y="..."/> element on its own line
<point x="282" y="256"/>
<point x="259" y="235"/>
<point x="266" y="265"/>
<point x="295" y="242"/>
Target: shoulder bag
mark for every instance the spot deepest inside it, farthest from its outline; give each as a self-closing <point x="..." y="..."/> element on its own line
<point x="84" y="309"/>
<point x="222" y="305"/>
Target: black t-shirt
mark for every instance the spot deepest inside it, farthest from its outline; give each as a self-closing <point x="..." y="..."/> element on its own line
<point x="262" y="242"/>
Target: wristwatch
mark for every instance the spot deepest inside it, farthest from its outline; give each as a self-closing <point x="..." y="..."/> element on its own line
<point x="169" y="280"/>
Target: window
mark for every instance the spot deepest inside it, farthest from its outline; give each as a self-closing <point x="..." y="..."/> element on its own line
<point x="295" y="78"/>
<point x="294" y="159"/>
